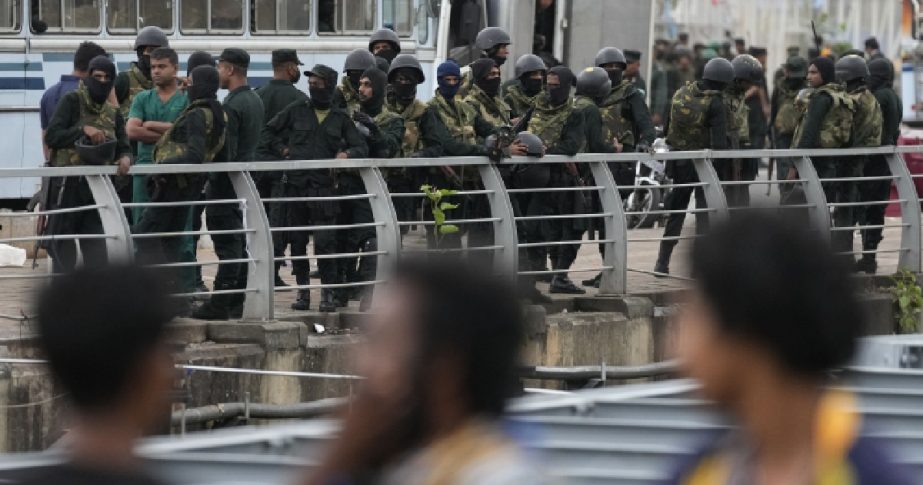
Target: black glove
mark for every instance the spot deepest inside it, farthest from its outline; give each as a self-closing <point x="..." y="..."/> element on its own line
<point x="365" y="120"/>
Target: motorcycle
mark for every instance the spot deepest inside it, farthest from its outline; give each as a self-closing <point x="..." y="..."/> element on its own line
<point x="648" y="196"/>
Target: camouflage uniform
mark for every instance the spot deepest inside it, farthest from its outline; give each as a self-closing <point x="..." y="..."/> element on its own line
<point x="784" y="120"/>
<point x="494" y="110"/>
<point x="866" y="133"/>
<point x="738" y="137"/>
<point x="625" y="116"/>
<point x="76" y="110"/>
<point x="346" y="97"/>
<point x="128" y="84"/>
<point x="518" y="101"/>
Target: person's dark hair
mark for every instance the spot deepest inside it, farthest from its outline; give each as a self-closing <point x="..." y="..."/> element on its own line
<point x="96" y="325"/>
<point x="85" y="52"/>
<point x="872" y="43"/>
<point x="165" y="53"/>
<point x="472" y="315"/>
<point x="777" y="284"/>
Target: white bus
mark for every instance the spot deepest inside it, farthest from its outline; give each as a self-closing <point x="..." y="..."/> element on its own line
<point x="322" y="31"/>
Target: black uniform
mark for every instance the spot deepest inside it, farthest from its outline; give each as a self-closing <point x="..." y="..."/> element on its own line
<point x="275" y="95"/>
<point x="877" y="166"/>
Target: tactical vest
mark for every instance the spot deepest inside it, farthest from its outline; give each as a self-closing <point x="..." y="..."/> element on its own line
<point x="412" y="142"/>
<point x="580" y="103"/>
<point x="547" y="122"/>
<point x="867" y="121"/>
<point x="518" y="101"/>
<point x="614" y="111"/>
<point x="736" y="110"/>
<point x="353" y="103"/>
<point x="494" y="110"/>
<point x="836" y="129"/>
<point x="787" y="115"/>
<point x="458" y="118"/>
<point x="688" y="112"/>
<point x="99" y="116"/>
<point x="168" y="147"/>
<point x="137" y="82"/>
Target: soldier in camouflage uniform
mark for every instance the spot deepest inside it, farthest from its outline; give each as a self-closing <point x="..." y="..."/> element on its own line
<point x="747" y="73"/>
<point x="83" y="116"/>
<point x="697" y="121"/>
<point x="384" y="133"/>
<point x="521" y="92"/>
<point x="347" y="95"/>
<point x="314" y="129"/>
<point x="785" y="116"/>
<point x="196" y="137"/>
<point x="484" y="95"/>
<point x="494" y="43"/>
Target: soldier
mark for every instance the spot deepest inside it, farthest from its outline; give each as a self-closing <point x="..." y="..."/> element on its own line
<point x="520" y="93"/>
<point x="785" y="116"/>
<point x="315" y="129"/>
<point x="196" y="59"/>
<point x="484" y="95"/>
<point x="494" y="43"/>
<point x="197" y="136"/>
<point x="748" y="74"/>
<point x="385" y="43"/>
<point x="881" y="79"/>
<point x="84" y="130"/>
<point x="698" y="121"/>
<point x="245" y="121"/>
<point x="347" y="96"/>
<point x="633" y="70"/>
<point x="138" y="77"/>
<point x="866" y="133"/>
<point x="555" y="120"/>
<point x="384" y="133"/>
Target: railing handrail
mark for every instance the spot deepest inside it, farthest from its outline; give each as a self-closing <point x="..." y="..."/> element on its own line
<point x="356" y="163"/>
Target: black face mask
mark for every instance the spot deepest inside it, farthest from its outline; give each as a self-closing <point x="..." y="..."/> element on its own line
<point x="559" y="94"/>
<point x="144" y="64"/>
<point x="875" y="83"/>
<point x="204" y="84"/>
<point x="531" y="86"/>
<point x="354" y="77"/>
<point x="404" y="92"/>
<point x="499" y="61"/>
<point x="490" y="86"/>
<point x="321" y="98"/>
<point x="387" y="54"/>
<point x="794" y="83"/>
<point x="98" y="91"/>
<point x="615" y="75"/>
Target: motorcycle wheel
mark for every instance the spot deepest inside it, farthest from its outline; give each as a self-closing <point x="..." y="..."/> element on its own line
<point x="643" y="200"/>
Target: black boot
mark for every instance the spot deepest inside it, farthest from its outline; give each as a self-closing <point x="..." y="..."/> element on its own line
<point x="663" y="259"/>
<point x="592" y="282"/>
<point x="215" y="308"/>
<point x="328" y="301"/>
<point x="303" y="302"/>
<point x="867" y="264"/>
<point x="562" y="284"/>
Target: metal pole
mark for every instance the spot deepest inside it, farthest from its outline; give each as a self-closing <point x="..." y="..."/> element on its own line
<point x="501" y="208"/>
<point x="389" y="233"/>
<point x="814" y="194"/>
<point x="615" y="280"/>
<point x="119" y="248"/>
<point x="909" y="258"/>
<point x="714" y="194"/>
<point x="258" y="305"/>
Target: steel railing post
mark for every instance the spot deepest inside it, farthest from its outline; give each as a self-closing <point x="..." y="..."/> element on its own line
<point x="615" y="256"/>
<point x="501" y="207"/>
<point x="119" y="247"/>
<point x="258" y="304"/>
<point x="389" y="233"/>
<point x="814" y="194"/>
<point x="714" y="194"/>
<point x="909" y="257"/>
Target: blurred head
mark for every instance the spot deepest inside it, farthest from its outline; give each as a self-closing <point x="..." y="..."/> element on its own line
<point x="443" y="331"/>
<point x="85" y="52"/>
<point x="770" y="297"/>
<point x="164" y="66"/>
<point x="102" y="331"/>
<point x="871" y="45"/>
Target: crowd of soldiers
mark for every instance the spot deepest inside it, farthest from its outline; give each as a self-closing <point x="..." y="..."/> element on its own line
<point x="151" y="114"/>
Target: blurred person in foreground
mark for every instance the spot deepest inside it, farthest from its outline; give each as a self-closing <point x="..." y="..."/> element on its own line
<point x="760" y="334"/>
<point x="103" y="333"/>
<point x="439" y="360"/>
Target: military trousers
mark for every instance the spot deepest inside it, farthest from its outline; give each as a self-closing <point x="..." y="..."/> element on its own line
<point x="683" y="172"/>
<point x="228" y="246"/>
<point x="841" y="192"/>
<point x="873" y="191"/>
<point x="68" y="193"/>
<point x="362" y="239"/>
<point x="291" y="214"/>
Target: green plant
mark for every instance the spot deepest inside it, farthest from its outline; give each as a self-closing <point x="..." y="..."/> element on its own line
<point x="439" y="208"/>
<point x="908" y="297"/>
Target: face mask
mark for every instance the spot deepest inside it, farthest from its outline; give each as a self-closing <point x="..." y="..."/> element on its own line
<point x="387" y="54"/>
<point x="531" y="86"/>
<point x="498" y="60"/>
<point x="98" y="91"/>
<point x="144" y="64"/>
<point x="876" y="83"/>
<point x="490" y="86"/>
<point x="794" y="83"/>
<point x="196" y="92"/>
<point x="405" y="92"/>
<point x="559" y="95"/>
<point x="354" y="77"/>
<point x="615" y="75"/>
<point x="321" y="98"/>
<point x="448" y="91"/>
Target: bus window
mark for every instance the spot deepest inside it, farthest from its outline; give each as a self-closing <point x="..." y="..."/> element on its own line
<point x="122" y="15"/>
<point x="397" y="15"/>
<point x="281" y="17"/>
<point x="10" y="13"/>
<point x="346" y="16"/>
<point x="211" y="16"/>
<point x="69" y="15"/>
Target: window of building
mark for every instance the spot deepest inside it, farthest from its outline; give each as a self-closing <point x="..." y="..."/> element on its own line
<point x="69" y="15"/>
<point x="211" y="16"/>
<point x="281" y="17"/>
<point x="397" y="15"/>
<point x="123" y="15"/>
<point x="10" y="13"/>
<point x="346" y="16"/>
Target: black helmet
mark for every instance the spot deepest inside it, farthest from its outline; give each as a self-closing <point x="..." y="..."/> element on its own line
<point x="151" y="36"/>
<point x="528" y="63"/>
<point x="747" y="68"/>
<point x="406" y="61"/>
<point x="385" y="35"/>
<point x="534" y="145"/>
<point x="609" y="55"/>
<point x="593" y="82"/>
<point x="719" y="70"/>
<point x="90" y="154"/>
<point x="359" y="60"/>
<point x="491" y="37"/>
<point x="850" y="68"/>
